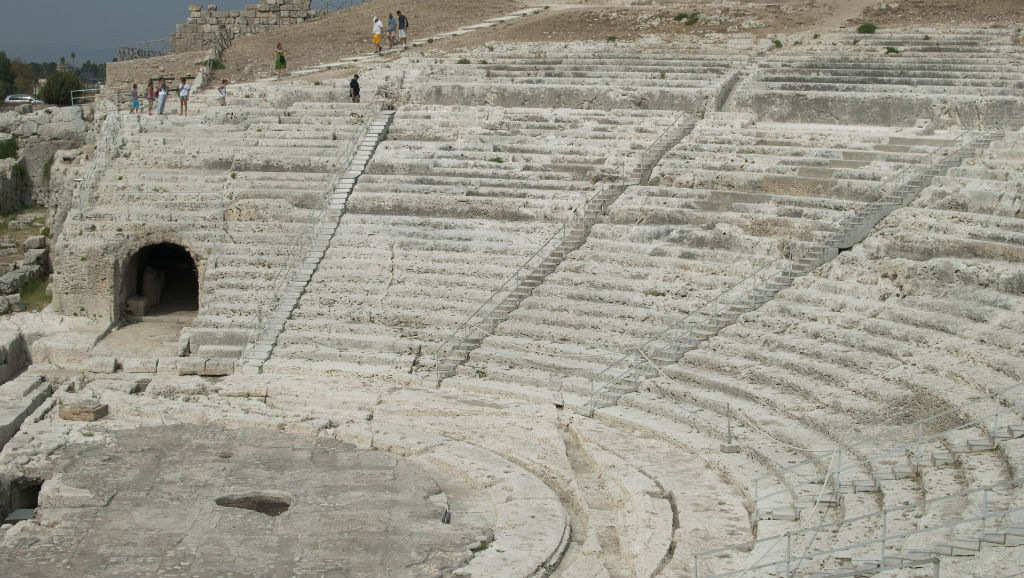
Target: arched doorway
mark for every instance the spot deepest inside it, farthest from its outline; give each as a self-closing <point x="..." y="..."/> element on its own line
<point x="160" y="279"/>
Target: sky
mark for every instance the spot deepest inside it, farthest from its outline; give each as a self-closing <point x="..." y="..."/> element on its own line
<point x="45" y="30"/>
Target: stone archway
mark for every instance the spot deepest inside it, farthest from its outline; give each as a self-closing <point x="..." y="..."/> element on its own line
<point x="160" y="279"/>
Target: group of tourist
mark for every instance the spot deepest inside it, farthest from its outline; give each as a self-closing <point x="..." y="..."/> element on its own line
<point x="158" y="94"/>
<point x="398" y="25"/>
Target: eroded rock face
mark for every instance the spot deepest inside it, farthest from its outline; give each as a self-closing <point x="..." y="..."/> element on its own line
<point x="40" y="134"/>
<point x="209" y="501"/>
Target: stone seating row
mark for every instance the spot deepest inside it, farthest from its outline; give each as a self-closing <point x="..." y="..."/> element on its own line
<point x="438" y="226"/>
<point x="260" y="172"/>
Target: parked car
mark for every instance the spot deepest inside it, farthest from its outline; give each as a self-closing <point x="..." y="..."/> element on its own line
<point x="21" y="99"/>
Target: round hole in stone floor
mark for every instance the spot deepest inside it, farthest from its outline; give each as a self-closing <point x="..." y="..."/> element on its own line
<point x="269" y="503"/>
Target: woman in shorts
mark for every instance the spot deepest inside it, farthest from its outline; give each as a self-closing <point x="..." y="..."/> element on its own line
<point x="280" y="63"/>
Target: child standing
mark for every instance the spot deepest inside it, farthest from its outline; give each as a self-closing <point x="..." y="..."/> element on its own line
<point x="222" y="93"/>
<point x="150" y="96"/>
<point x="135" y="98"/>
<point x="183" y="91"/>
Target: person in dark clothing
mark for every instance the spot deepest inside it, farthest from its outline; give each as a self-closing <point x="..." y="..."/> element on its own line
<point x="353" y="88"/>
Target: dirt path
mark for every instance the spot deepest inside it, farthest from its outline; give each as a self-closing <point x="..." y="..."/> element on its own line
<point x="345" y="34"/>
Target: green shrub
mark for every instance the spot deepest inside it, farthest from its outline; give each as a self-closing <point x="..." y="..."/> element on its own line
<point x="856" y="41"/>
<point x="45" y="231"/>
<point x="612" y="38"/>
<point x="215" y="64"/>
<point x="496" y="160"/>
<point x="47" y="169"/>
<point x="9" y="148"/>
<point x="866" y="28"/>
<point x="430" y="40"/>
<point x="462" y="61"/>
<point x="777" y="43"/>
<point x="692" y="19"/>
<point x="34" y="296"/>
<point x="680" y="17"/>
<point x="817" y="36"/>
<point x="58" y="87"/>
<point x="483" y="61"/>
<point x="927" y="37"/>
<point x="891" y="50"/>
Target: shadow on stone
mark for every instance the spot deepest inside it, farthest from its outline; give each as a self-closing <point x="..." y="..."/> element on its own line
<point x="262" y="503"/>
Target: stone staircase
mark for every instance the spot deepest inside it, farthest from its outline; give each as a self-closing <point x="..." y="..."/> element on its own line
<point x="271" y="327"/>
<point x="569" y="238"/>
<point x="760" y="287"/>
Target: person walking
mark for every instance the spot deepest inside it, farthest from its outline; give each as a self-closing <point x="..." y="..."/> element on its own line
<point x="183" y="91"/>
<point x="280" y="63"/>
<point x="392" y="29"/>
<point x="378" y="28"/>
<point x="150" y="96"/>
<point x="403" y="27"/>
<point x="135" y="98"/>
<point x="353" y="88"/>
<point x="222" y="92"/>
<point x="161" y="97"/>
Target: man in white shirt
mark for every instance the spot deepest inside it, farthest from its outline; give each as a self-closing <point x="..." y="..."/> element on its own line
<point x="378" y="28"/>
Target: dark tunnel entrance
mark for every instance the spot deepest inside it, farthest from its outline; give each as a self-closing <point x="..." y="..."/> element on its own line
<point x="160" y="279"/>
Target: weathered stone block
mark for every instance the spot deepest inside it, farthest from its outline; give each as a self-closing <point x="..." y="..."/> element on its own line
<point x="82" y="411"/>
<point x="136" y="306"/>
<point x="167" y="365"/>
<point x="219" y="366"/>
<point x="191" y="365"/>
<point x="101" y="364"/>
<point x="35" y="242"/>
<point x="139" y="365"/>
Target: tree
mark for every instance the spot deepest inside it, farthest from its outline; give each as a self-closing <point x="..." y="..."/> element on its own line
<point x="6" y="75"/>
<point x="24" y="78"/>
<point x="72" y="60"/>
<point x="58" y="87"/>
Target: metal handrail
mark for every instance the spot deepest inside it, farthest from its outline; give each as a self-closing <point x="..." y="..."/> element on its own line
<point x="789" y="558"/>
<point x="144" y="49"/>
<point x="107" y="147"/>
<point x="328" y="6"/>
<point x="699" y="111"/>
<point x="468" y="327"/>
<point x="675" y="329"/>
<point x="787" y="263"/>
<point x="302" y="240"/>
<point x="916" y="429"/>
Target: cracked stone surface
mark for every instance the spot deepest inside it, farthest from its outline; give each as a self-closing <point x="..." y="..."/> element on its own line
<point x="143" y="502"/>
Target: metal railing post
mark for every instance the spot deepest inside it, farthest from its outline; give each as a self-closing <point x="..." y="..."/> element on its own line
<point x="885" y="530"/>
<point x="839" y="470"/>
<point x="789" y="548"/>
<point x="984" y="510"/>
<point x="696" y="566"/>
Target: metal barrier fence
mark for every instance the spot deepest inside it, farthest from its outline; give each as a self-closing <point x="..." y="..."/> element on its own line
<point x="301" y="241"/>
<point x="144" y="49"/>
<point x="788" y="562"/>
<point x="593" y="207"/>
<point x="912" y="437"/>
<point x="108" y="146"/>
<point x="328" y="6"/>
<point x="893" y="191"/>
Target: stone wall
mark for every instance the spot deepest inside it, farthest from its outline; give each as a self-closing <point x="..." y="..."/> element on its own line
<point x="202" y="25"/>
<point x="40" y="134"/>
<point x="121" y="75"/>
